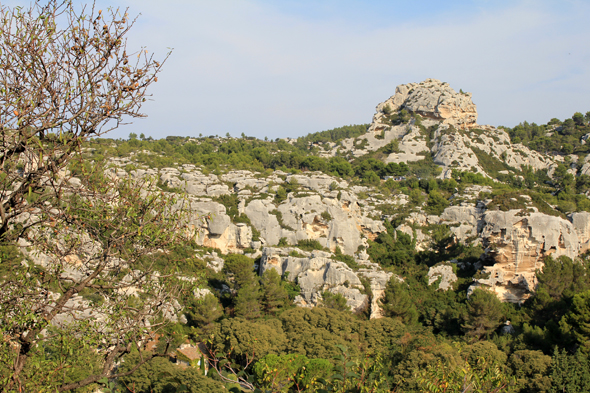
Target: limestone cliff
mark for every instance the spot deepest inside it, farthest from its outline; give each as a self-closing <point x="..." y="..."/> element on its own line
<point x="427" y="121"/>
<point x="517" y="245"/>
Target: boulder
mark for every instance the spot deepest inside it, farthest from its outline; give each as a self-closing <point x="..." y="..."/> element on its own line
<point x="258" y="211"/>
<point x="445" y="273"/>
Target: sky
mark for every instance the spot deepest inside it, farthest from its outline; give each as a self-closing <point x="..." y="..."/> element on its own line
<point x="286" y="68"/>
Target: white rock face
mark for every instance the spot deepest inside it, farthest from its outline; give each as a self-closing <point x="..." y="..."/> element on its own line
<point x="317" y="272"/>
<point x="581" y="223"/>
<point x="302" y="219"/>
<point x="517" y="245"/>
<point x="459" y="149"/>
<point x="445" y="273"/>
<point x="469" y="219"/>
<point x="458" y="141"/>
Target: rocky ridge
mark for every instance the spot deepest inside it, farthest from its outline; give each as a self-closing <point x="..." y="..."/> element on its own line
<point x="427" y="119"/>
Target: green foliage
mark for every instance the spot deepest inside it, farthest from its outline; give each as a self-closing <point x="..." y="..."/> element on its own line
<point x="309" y="245"/>
<point x="230" y="201"/>
<point x="397" y="302"/>
<point x="274" y="296"/>
<point x="484" y="312"/>
<point x="279" y="216"/>
<point x="558" y="282"/>
<point x="358" y="374"/>
<point x="161" y="376"/>
<point x="416" y="197"/>
<point x="316" y="332"/>
<point x="349" y="260"/>
<point x="531" y="370"/>
<point x="241" y="268"/>
<point x="483" y="350"/>
<point x="247" y="301"/>
<point x="392" y="147"/>
<point x="507" y="201"/>
<point x="436" y="203"/>
<point x="338" y="166"/>
<point x="204" y="311"/>
<point x="334" y="301"/>
<point x="564" y="137"/>
<point x="569" y="373"/>
<point x="244" y="283"/>
<point x="181" y="258"/>
<point x="123" y="221"/>
<point x="333" y="135"/>
<point x="393" y="250"/>
<point x="293" y="290"/>
<point x="483" y="377"/>
<point x="291" y="372"/>
<point x="74" y="358"/>
<point x="241" y="341"/>
<point x="491" y="164"/>
<point x="578" y="320"/>
<point x="281" y="194"/>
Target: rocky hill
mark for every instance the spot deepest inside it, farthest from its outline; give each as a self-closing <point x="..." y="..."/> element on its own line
<point x="420" y="219"/>
<point x="427" y="126"/>
<point x="445" y="128"/>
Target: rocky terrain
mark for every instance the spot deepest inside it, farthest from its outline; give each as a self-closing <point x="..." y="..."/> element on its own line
<point x="425" y="120"/>
<point x="328" y="210"/>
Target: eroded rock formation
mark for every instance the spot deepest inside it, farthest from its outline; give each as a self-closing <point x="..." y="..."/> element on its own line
<point x="517" y="244"/>
<point x="435" y="100"/>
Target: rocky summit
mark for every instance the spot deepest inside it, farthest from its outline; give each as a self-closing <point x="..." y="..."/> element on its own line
<point x="431" y="99"/>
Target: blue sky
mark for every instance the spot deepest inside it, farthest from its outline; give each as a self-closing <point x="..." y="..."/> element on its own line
<point x="282" y="68"/>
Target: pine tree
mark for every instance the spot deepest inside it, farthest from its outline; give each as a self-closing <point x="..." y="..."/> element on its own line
<point x="569" y="373"/>
<point x="248" y="301"/>
<point x="579" y="320"/>
<point x="274" y="295"/>
<point x="204" y="311"/>
<point x="241" y="269"/>
<point x="244" y="284"/>
<point x="397" y="303"/>
<point x="334" y="301"/>
<point x="484" y="311"/>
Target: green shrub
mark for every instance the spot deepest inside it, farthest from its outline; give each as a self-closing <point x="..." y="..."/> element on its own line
<point x="309" y="245"/>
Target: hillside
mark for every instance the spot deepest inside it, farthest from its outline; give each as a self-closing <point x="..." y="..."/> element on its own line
<point x="417" y="244"/>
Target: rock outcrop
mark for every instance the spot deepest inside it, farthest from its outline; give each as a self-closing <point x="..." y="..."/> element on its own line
<point x="448" y="132"/>
<point x="517" y="244"/>
<point x="444" y="273"/>
<point x="318" y="272"/>
<point x="337" y="214"/>
<point x="432" y="99"/>
<point x="581" y="223"/>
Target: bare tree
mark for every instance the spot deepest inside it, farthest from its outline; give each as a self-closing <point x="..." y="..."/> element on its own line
<point x="66" y="76"/>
